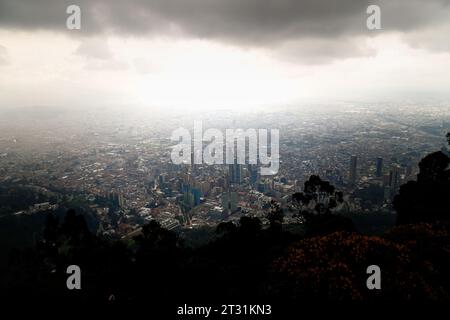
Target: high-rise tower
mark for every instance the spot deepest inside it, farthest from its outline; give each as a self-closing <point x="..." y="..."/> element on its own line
<point x="353" y="166"/>
<point x="379" y="170"/>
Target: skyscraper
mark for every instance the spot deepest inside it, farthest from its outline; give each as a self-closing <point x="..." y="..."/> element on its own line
<point x="196" y="193"/>
<point x="235" y="173"/>
<point x="225" y="202"/>
<point x="353" y="166"/>
<point x="191" y="196"/>
<point x="253" y="174"/>
<point x="229" y="202"/>
<point x="408" y="170"/>
<point x="233" y="201"/>
<point x="394" y="180"/>
<point x="379" y="170"/>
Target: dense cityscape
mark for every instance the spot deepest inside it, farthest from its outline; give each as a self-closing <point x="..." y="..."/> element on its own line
<point x="117" y="165"/>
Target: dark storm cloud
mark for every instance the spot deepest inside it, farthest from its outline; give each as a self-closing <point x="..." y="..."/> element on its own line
<point x="265" y="23"/>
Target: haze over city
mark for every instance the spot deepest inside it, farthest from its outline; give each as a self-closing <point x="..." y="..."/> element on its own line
<point x="109" y="191"/>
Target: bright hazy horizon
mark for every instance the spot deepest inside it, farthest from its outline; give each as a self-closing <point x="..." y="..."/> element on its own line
<point x="200" y="54"/>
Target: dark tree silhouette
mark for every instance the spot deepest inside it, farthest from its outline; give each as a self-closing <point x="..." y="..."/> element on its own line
<point x="428" y="198"/>
<point x="249" y="225"/>
<point x="275" y="216"/>
<point x="318" y="193"/>
<point x="51" y="228"/>
<point x="226" y="228"/>
<point x="75" y="226"/>
<point x="154" y="237"/>
<point x="243" y="260"/>
<point x="315" y="207"/>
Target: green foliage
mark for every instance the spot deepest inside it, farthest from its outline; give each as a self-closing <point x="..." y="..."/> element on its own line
<point x="243" y="260"/>
<point x="333" y="267"/>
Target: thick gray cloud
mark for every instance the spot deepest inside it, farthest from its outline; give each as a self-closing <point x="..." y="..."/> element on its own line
<point x="95" y="48"/>
<point x="265" y="23"/>
<point x="323" y="50"/>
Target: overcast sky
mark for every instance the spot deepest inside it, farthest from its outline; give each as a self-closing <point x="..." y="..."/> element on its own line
<point x="221" y="53"/>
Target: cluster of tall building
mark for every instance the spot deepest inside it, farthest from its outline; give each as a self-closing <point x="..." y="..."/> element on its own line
<point x="191" y="197"/>
<point x="391" y="181"/>
<point x="117" y="199"/>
